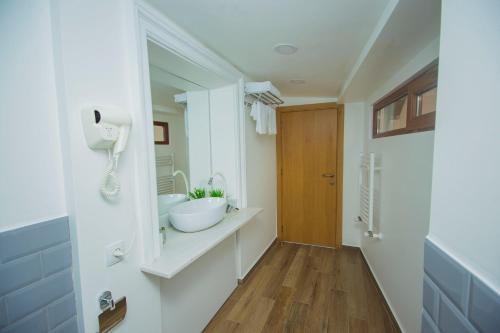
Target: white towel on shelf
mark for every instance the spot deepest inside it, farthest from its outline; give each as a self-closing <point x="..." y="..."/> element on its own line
<point x="259" y="114"/>
<point x="265" y="118"/>
<point x="253" y="111"/>
<point x="271" y="120"/>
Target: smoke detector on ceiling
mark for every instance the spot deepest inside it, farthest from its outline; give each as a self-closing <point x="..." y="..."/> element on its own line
<point x="285" y="49"/>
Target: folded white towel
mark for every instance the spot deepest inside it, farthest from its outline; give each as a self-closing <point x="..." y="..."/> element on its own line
<point x="271" y="121"/>
<point x="265" y="118"/>
<point x="262" y="122"/>
<point x="254" y="111"/>
<point x="260" y="113"/>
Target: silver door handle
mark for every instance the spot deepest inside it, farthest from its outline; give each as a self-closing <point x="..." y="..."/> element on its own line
<point x="328" y="175"/>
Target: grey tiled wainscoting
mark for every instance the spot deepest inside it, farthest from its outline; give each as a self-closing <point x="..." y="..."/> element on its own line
<point x="454" y="299"/>
<point x="36" y="284"/>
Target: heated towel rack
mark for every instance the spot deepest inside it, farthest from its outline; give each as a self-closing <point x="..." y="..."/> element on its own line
<point x="165" y="181"/>
<point x="367" y="171"/>
<point x="264" y="92"/>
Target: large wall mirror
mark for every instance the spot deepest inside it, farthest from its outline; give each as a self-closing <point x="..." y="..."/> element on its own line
<point x="189" y="120"/>
<point x="180" y="99"/>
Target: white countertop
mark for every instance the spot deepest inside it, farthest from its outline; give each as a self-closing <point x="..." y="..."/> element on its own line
<point x="181" y="249"/>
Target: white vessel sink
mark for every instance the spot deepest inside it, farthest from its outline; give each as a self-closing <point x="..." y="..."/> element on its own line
<point x="197" y="214"/>
<point x="167" y="201"/>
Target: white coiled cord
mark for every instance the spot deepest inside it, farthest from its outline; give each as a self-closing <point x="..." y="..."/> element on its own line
<point x="110" y="186"/>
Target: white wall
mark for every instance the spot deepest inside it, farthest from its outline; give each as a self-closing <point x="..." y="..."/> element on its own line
<point x="199" y="145"/>
<point x="354" y="125"/>
<point x="403" y="219"/>
<point x="402" y="214"/>
<point x="163" y="94"/>
<point x="224" y="138"/>
<point x="31" y="169"/>
<point x="466" y="179"/>
<point x="191" y="298"/>
<point x="96" y="65"/>
<point x="256" y="236"/>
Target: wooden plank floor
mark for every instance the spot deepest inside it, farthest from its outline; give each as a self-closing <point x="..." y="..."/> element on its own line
<point x="300" y="288"/>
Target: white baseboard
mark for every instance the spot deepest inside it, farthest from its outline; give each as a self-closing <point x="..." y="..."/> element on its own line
<point x="257" y="259"/>
<point x="387" y="300"/>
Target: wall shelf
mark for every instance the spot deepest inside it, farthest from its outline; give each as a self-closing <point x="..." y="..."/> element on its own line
<point x="182" y="249"/>
<point x="264" y="92"/>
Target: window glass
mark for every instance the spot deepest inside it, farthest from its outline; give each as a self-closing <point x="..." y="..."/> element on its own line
<point x="414" y="112"/>
<point x="159" y="135"/>
<point x="392" y="116"/>
<point x="426" y="102"/>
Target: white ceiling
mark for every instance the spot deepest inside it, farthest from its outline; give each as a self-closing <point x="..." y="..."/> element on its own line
<point x="163" y="94"/>
<point x="330" y="35"/>
<point x="346" y="47"/>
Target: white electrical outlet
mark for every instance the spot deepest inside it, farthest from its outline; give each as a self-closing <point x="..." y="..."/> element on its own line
<point x="110" y="249"/>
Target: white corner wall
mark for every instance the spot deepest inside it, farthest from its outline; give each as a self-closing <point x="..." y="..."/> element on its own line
<point x="402" y="215"/>
<point x="224" y="138"/>
<point x="97" y="65"/>
<point x="354" y="125"/>
<point x="256" y="236"/>
<point x="31" y="169"/>
<point x="199" y="146"/>
<point x="402" y="218"/>
<point x="466" y="178"/>
<point x="191" y="298"/>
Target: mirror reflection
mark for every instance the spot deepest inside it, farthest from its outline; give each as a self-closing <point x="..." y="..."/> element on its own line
<point x="169" y="129"/>
<point x="180" y="98"/>
<point x="172" y="171"/>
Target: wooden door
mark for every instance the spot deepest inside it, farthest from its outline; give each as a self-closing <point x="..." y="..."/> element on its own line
<point x="309" y="177"/>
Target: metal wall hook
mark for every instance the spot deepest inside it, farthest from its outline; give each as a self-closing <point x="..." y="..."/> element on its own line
<point x="106" y="301"/>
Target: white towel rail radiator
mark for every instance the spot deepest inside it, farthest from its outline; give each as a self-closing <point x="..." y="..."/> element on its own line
<point x="165" y="181"/>
<point x="367" y="170"/>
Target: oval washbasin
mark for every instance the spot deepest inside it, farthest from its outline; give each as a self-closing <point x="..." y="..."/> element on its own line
<point x="167" y="201"/>
<point x="199" y="214"/>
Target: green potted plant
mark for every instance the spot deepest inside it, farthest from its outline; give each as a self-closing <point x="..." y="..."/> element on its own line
<point x="197" y="193"/>
<point x="216" y="193"/>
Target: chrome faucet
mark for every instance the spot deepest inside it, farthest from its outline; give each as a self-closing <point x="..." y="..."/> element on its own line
<point x="179" y="172"/>
<point x="224" y="183"/>
<point x="229" y="207"/>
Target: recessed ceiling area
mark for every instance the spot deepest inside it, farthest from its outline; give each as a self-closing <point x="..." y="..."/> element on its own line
<point x="333" y="37"/>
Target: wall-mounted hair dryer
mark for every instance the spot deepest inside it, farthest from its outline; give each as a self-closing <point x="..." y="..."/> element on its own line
<point x="107" y="127"/>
